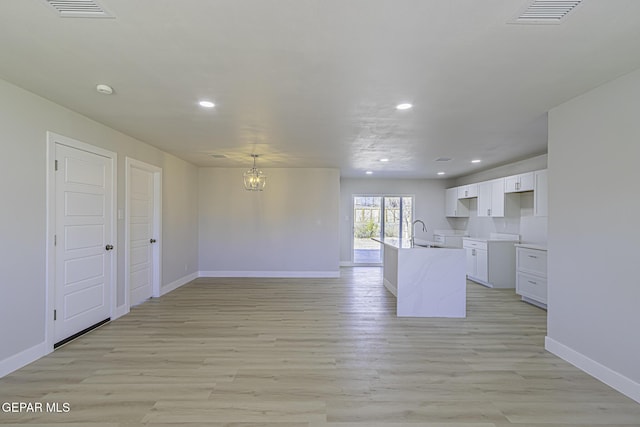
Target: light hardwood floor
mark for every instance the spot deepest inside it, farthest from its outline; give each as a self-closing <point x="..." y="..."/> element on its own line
<point x="314" y="353"/>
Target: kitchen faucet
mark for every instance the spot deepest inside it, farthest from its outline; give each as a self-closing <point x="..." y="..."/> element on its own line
<point x="413" y="230"/>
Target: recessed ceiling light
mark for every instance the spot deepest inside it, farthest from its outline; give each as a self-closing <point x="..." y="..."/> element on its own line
<point x="476" y="161"/>
<point x="440" y="173"/>
<point x="369" y="172"/>
<point x="384" y="160"/>
<point x="403" y="106"/>
<point x="207" y="104"/>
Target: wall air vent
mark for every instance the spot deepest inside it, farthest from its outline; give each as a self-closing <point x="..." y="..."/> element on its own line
<point x="78" y="9"/>
<point x="547" y="11"/>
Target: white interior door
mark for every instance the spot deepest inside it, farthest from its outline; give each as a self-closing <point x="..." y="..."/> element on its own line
<point x="141" y="238"/>
<point x="83" y="250"/>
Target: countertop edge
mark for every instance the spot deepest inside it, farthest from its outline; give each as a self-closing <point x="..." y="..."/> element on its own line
<point x="531" y="246"/>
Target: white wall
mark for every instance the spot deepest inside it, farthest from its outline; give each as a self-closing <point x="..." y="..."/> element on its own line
<point x="429" y="204"/>
<point x="594" y="211"/>
<point x="179" y="221"/>
<point x="514" y="168"/>
<point x="290" y="229"/>
<point x="520" y="220"/>
<point x="24" y="120"/>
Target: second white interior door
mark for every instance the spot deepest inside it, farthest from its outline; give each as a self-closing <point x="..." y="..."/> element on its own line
<point x="141" y="239"/>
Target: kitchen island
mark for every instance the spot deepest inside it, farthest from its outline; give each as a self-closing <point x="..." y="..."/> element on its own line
<point x="427" y="280"/>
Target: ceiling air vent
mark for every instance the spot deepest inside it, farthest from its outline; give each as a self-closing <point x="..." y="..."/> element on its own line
<point x="78" y="9"/>
<point x="547" y="11"/>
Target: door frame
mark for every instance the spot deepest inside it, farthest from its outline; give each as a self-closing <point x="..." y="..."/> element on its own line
<point x="157" y="227"/>
<point x="50" y="260"/>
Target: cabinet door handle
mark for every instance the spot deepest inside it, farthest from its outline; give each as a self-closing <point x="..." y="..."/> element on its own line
<point x="473" y="252"/>
<point x="489" y="212"/>
<point x="532" y="282"/>
<point x="533" y="256"/>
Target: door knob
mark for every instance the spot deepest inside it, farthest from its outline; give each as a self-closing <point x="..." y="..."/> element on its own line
<point x="108" y="247"/>
<point x="152" y="241"/>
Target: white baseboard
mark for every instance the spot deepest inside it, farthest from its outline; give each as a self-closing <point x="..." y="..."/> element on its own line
<point x="534" y="302"/>
<point x="177" y="283"/>
<point x="274" y="274"/>
<point x="17" y="361"/>
<point x="613" y="379"/>
<point x="360" y="264"/>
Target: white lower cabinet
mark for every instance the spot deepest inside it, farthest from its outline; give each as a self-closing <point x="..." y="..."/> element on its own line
<point x="490" y="262"/>
<point x="531" y="274"/>
<point x="482" y="265"/>
<point x="477" y="264"/>
<point x="448" y="241"/>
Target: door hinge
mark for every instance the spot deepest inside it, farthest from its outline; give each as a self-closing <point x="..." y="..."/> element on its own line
<point x="56" y="165"/>
<point x="55" y="314"/>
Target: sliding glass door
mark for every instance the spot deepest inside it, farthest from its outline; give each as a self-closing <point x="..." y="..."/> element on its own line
<point x="377" y="216"/>
<point x="367" y="215"/>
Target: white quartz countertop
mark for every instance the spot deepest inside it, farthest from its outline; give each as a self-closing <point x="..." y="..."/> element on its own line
<point x="537" y="246"/>
<point x="454" y="233"/>
<point x="496" y="237"/>
<point x="486" y="239"/>
<point x="406" y="243"/>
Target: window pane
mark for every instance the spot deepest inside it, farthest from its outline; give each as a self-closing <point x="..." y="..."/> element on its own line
<point x="392" y="220"/>
<point x="366" y="224"/>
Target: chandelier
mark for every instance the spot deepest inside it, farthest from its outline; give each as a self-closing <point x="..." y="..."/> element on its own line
<point x="254" y="179"/>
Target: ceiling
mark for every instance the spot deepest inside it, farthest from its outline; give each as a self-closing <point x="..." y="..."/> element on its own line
<point x="314" y="83"/>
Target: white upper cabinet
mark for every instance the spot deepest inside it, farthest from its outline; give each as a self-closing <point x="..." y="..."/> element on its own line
<point x="491" y="198"/>
<point x="540" y="194"/>
<point x="495" y="198"/>
<point x="519" y="183"/>
<point x="468" y="191"/>
<point x="453" y="206"/>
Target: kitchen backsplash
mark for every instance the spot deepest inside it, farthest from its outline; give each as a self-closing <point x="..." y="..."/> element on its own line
<point x="532" y="229"/>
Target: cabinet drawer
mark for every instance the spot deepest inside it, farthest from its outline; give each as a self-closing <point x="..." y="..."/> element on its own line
<point x="474" y="244"/>
<point x="532" y="286"/>
<point x="532" y="261"/>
